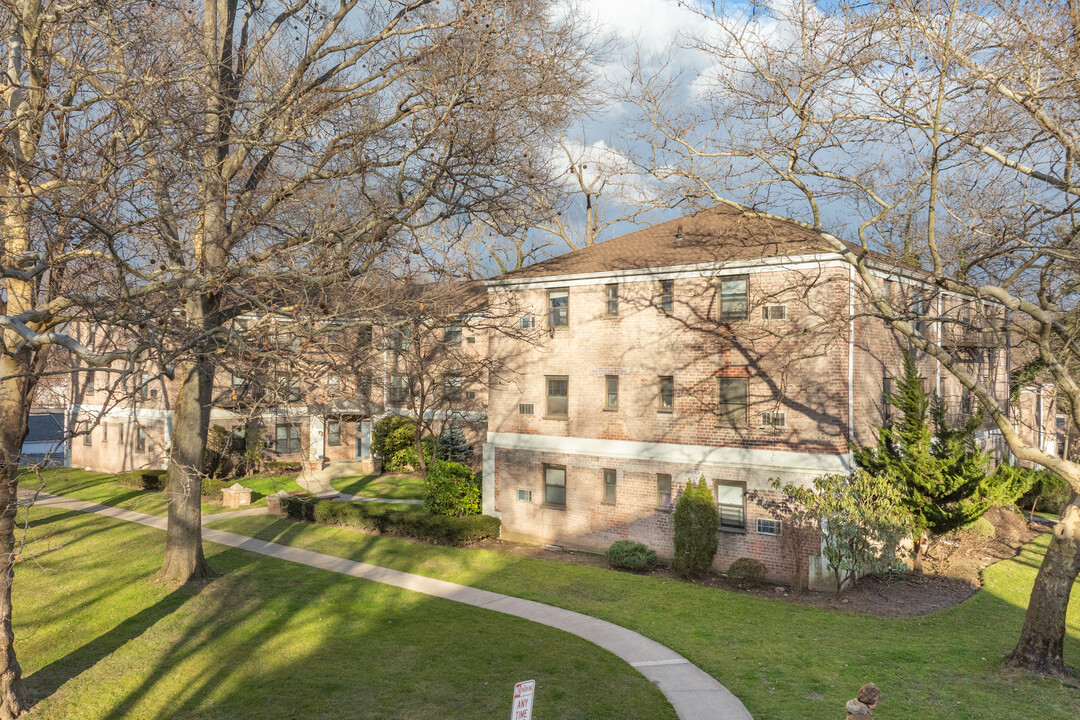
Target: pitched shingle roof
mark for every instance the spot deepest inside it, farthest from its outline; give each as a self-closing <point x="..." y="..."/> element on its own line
<point x="714" y="235"/>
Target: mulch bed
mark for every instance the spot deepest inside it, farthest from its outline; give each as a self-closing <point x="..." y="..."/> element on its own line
<point x="903" y="595"/>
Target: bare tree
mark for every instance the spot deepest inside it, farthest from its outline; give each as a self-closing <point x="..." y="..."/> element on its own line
<point x="941" y="133"/>
<point x="312" y="139"/>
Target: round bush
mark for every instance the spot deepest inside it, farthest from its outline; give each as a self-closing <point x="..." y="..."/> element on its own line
<point x="630" y="555"/>
<point x="697" y="520"/>
<point x="391" y="434"/>
<point x="746" y="572"/>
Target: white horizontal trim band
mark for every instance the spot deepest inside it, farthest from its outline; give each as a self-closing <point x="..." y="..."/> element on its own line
<point x="674" y="453"/>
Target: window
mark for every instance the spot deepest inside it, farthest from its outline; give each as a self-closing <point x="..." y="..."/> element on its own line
<point x="774" y="312"/>
<point x="237" y="383"/>
<point x="967" y="407"/>
<point x="401" y="338"/>
<point x="288" y="438"/>
<point x="663" y="491"/>
<point x="333" y="433"/>
<point x="365" y="335"/>
<point x="667" y="296"/>
<point x="774" y="419"/>
<point x="611" y="392"/>
<point x="525" y="408"/>
<point x="732" y="401"/>
<point x="731" y="500"/>
<point x="559" y="308"/>
<point x="527" y="322"/>
<point x="104" y="433"/>
<point x="470" y="394"/>
<point x="288" y="386"/>
<point x="88" y="438"/>
<point x="734" y="299"/>
<point x="555" y="485"/>
<point x="399" y="389"/>
<point x="886" y="400"/>
<point x="558" y="396"/>
<point x="144" y="385"/>
<point x="333" y="385"/>
<point x="452" y="334"/>
<point x="768" y="527"/>
<point x="524" y="496"/>
<point x="667" y="393"/>
<point x="471" y="340"/>
<point x="90" y="382"/>
<point x="364" y="386"/>
<point x="612" y="294"/>
<point x="120" y="429"/>
<point x="609" y="487"/>
<point x="452" y="387"/>
<point x="140" y="439"/>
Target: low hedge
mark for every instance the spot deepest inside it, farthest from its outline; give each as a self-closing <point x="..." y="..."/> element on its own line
<point x="281" y="467"/>
<point x="439" y="529"/>
<point x="211" y="488"/>
<point x="142" y="479"/>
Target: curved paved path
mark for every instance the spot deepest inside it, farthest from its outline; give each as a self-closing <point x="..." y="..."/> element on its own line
<point x="693" y="693"/>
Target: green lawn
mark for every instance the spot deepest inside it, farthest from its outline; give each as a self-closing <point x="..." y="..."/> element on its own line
<point x="102" y="488"/>
<point x="393" y="487"/>
<point x="99" y="639"/>
<point x="775" y="656"/>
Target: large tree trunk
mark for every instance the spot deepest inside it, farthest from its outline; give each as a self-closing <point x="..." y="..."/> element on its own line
<point x="184" y="559"/>
<point x="14" y="407"/>
<point x="1041" y="645"/>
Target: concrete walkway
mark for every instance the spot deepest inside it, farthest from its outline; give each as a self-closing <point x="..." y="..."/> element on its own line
<point x="317" y="482"/>
<point x="693" y="693"/>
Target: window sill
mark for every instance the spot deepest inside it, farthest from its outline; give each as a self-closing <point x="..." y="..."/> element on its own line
<point x="546" y="506"/>
<point x="563" y="418"/>
<point x="734" y="531"/>
<point x="664" y="509"/>
<point x="611" y="409"/>
<point x="663" y="411"/>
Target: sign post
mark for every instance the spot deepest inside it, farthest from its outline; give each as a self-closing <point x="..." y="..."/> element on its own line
<point x="523" y="700"/>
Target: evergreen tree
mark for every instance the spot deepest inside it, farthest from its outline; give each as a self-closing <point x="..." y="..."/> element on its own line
<point x="453" y="447"/>
<point x="941" y="473"/>
<point x="697" y="521"/>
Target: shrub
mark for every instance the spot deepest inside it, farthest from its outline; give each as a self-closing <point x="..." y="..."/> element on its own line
<point x="453" y="447"/>
<point x="630" y="555"/>
<point x="212" y="487"/>
<point x="282" y="467"/>
<point x="864" y="519"/>
<point x="451" y="489"/>
<point x="440" y="529"/>
<point x="143" y="479"/>
<point x="301" y="507"/>
<point x="697" y="520"/>
<point x="746" y="572"/>
<point x="391" y="434"/>
<point x="1008" y="484"/>
<point x="1049" y="492"/>
<point x="405" y="459"/>
<point x="218" y="445"/>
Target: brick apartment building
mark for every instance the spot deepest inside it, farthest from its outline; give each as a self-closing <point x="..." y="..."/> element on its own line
<point x="315" y="406"/>
<point x="716" y="345"/>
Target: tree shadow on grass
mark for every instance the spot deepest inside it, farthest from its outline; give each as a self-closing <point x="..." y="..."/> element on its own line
<point x="51" y="677"/>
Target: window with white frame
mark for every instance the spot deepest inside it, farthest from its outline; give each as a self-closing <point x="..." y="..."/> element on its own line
<point x="555" y="485"/>
<point x="731" y="501"/>
<point x="559" y="307"/>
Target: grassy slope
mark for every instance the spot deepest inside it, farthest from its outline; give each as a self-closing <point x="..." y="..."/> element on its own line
<point x="99" y="639"/>
<point x="395" y="487"/>
<point x="775" y="656"/>
<point x="102" y="488"/>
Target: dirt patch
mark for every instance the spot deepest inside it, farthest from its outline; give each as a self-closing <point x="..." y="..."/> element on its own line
<point x="900" y="595"/>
